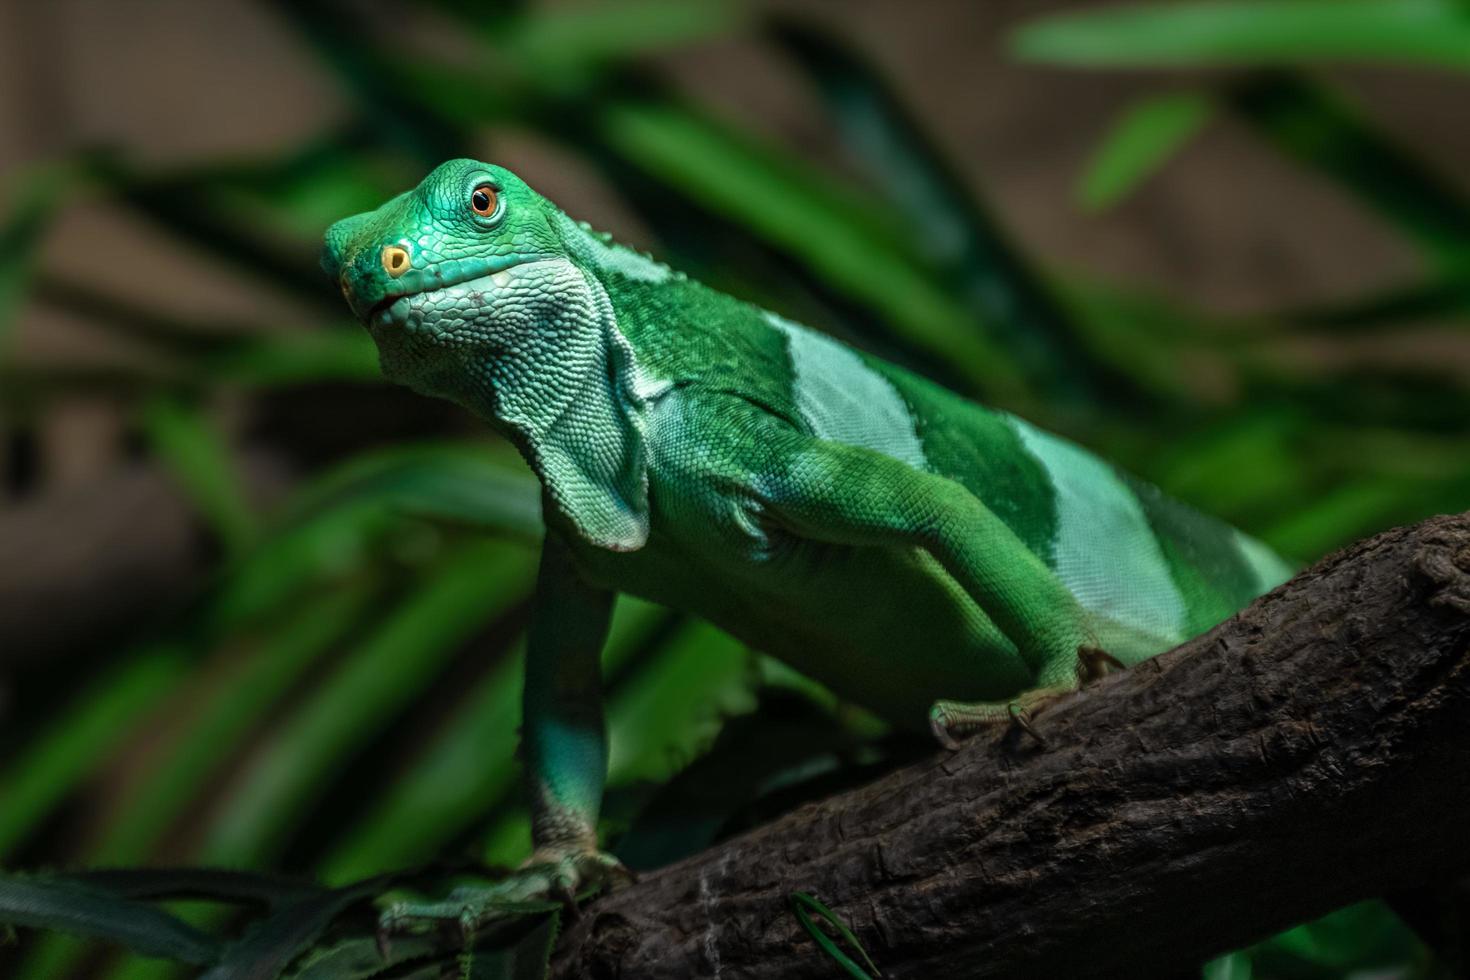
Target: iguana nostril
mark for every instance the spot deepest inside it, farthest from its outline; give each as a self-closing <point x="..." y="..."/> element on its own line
<point x="395" y="260"/>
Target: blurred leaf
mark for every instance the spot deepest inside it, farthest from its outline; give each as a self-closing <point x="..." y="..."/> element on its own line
<point x="197" y="455"/>
<point x="172" y="333"/>
<point x="1308" y="123"/>
<point x="359" y="958"/>
<point x="295" y="358"/>
<point x="1233" y="966"/>
<point x="1345" y="513"/>
<point x="218" y="725"/>
<point x="80" y="737"/>
<point x="787" y="732"/>
<point x="193" y="208"/>
<point x="949" y="225"/>
<point x="373" y="80"/>
<point x="270" y="945"/>
<point x="1140" y="142"/>
<point x="1423" y="33"/>
<point x="664" y="716"/>
<point x="302" y="193"/>
<point x="1364" y="937"/>
<point x="33" y="203"/>
<point x="49" y="903"/>
<point x="1389" y="309"/>
<point x="579" y="38"/>
<point x="1149" y="337"/>
<point x="402" y="653"/>
<point x="478" y="485"/>
<point x="469" y="766"/>
<point x="214" y="884"/>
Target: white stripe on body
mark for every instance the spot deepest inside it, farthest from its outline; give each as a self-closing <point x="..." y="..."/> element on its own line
<point x="1105" y="551"/>
<point x="845" y="401"/>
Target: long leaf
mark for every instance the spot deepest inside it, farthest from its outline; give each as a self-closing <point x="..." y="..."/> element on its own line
<point x="581" y="38"/>
<point x="403" y="654"/>
<point x="1140" y="142"/>
<point x="44" y="903"/>
<point x="1422" y="33"/>
<point x="213" y="884"/>
<point x="33" y="205"/>
<point x="949" y="224"/>
<point x="469" y="767"/>
<point x="199" y="459"/>
<point x="272" y="944"/>
<point x="480" y="485"/>
<point x="224" y="716"/>
<point x="79" y="740"/>
<point x="1321" y="130"/>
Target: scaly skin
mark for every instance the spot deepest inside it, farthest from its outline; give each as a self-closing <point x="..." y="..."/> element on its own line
<point x="938" y="562"/>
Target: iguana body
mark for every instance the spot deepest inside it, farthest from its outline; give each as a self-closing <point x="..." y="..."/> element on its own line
<point x="897" y="542"/>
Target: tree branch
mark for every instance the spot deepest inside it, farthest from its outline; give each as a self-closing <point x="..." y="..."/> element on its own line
<point x="1307" y="753"/>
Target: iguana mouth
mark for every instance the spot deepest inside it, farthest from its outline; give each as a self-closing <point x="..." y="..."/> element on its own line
<point x="499" y="278"/>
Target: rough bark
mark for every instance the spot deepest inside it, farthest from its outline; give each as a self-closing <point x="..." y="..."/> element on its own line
<point x="1307" y="753"/>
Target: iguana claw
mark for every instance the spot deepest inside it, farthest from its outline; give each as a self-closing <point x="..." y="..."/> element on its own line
<point x="556" y="873"/>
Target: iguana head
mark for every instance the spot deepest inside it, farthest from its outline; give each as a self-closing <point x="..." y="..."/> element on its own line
<point x="471" y="287"/>
<point x="467" y="269"/>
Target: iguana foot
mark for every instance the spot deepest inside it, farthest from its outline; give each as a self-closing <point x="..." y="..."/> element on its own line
<point x="949" y="719"/>
<point x="1094" y="663"/>
<point x="556" y="873"/>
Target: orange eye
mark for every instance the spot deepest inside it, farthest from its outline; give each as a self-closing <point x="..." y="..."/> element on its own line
<point x="482" y="199"/>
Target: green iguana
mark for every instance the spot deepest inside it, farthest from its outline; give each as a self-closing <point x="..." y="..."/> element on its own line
<point x="937" y="562"/>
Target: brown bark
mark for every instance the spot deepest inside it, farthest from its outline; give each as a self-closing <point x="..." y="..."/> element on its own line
<point x="1305" y="754"/>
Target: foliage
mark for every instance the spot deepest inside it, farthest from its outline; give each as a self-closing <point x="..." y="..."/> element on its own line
<point x="342" y="697"/>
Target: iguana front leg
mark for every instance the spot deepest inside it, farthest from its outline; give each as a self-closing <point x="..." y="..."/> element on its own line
<point x="841" y="494"/>
<point x="564" y="748"/>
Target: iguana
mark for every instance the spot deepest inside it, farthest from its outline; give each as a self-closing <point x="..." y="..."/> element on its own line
<point x="937" y="562"/>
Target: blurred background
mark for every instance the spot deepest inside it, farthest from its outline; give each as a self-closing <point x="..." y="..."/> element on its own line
<point x="259" y="609"/>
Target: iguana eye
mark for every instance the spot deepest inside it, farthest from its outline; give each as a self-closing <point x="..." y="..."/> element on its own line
<point x="482" y="199"/>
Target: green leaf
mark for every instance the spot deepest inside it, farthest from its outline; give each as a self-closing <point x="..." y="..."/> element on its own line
<point x="197" y="454"/>
<point x="663" y="716"/>
<point x="404" y="651"/>
<point x="462" y="773"/>
<point x="216" y="727"/>
<point x="80" y="738"/>
<point x="480" y="485"/>
<point x="1420" y="33"/>
<point x="788" y="734"/>
<point x="469" y="768"/>
<point x="949" y="226"/>
<point x="1360" y="939"/>
<point x="375" y="81"/>
<point x="801" y="902"/>
<point x="586" y="36"/>
<point x="1233" y="966"/>
<point x="32" y="207"/>
<point x="212" y="884"/>
<point x="359" y="958"/>
<point x="1310" y="124"/>
<point x="1147" y="135"/>
<point x="271" y="945"/>
<point x="1353" y="510"/>
<point x="49" y="903"/>
<point x="282" y="359"/>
